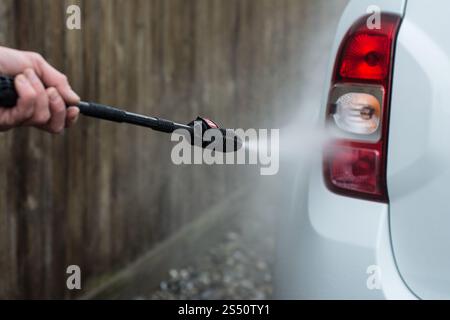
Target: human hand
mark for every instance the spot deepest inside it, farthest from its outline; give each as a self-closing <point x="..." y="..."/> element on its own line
<point x="43" y="93"/>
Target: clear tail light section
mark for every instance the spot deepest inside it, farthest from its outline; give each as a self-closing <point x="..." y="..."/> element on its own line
<point x="358" y="111"/>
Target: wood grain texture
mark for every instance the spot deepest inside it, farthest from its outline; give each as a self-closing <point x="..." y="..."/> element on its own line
<point x="102" y="194"/>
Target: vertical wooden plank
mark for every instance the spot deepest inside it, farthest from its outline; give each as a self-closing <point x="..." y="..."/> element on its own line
<point x="75" y="146"/>
<point x="107" y="94"/>
<point x="29" y="151"/>
<point x="93" y="19"/>
<point x="8" y="226"/>
<point x="56" y="163"/>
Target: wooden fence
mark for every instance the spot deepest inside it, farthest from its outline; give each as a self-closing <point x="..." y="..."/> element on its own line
<point x="102" y="194"/>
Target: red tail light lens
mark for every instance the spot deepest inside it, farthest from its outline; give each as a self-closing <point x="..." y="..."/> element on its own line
<point x="353" y="169"/>
<point x="366" y="54"/>
<point x="355" y="159"/>
<point x="366" y="57"/>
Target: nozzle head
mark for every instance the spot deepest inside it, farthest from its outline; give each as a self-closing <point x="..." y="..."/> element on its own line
<point x="208" y="132"/>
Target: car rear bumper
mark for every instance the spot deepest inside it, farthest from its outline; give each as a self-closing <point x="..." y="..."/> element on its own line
<point x="334" y="247"/>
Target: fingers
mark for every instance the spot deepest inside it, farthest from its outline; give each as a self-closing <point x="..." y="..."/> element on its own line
<point x="39" y="107"/>
<point x="53" y="78"/>
<point x="57" y="109"/>
<point x="26" y="102"/>
<point x="41" y="114"/>
<point x="72" y="116"/>
<point x="24" y="109"/>
<point x="60" y="116"/>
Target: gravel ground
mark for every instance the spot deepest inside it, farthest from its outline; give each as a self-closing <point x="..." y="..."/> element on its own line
<point x="240" y="267"/>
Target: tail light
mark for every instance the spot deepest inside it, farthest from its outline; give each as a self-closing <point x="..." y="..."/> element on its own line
<point x="358" y="111"/>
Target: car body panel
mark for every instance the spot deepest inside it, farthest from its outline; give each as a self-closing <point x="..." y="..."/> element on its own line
<point x="331" y="245"/>
<point x="419" y="156"/>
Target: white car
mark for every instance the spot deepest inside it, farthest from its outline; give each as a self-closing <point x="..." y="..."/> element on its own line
<point x="372" y="221"/>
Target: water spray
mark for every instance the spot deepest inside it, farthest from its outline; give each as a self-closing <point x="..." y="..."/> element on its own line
<point x="231" y="142"/>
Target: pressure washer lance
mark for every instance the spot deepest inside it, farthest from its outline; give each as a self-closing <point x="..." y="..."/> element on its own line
<point x="231" y="142"/>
